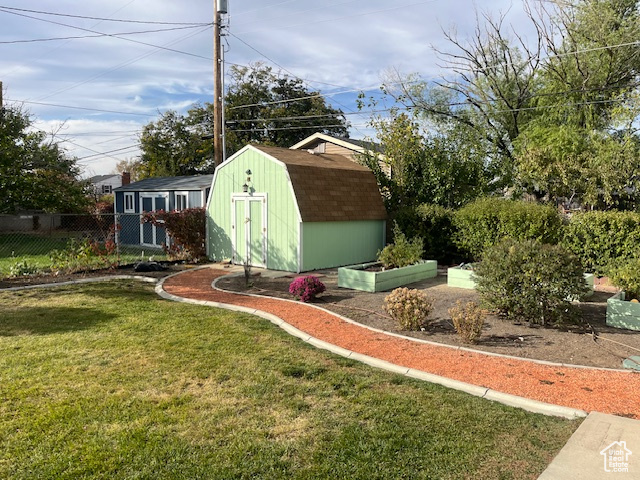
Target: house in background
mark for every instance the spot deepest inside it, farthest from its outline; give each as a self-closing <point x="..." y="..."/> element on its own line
<point x="293" y="210"/>
<point x="106" y="184"/>
<point x="152" y="194"/>
<point x="347" y="147"/>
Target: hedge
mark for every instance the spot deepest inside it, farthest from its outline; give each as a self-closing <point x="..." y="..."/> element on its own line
<point x="600" y="238"/>
<point x="486" y="221"/>
<point x="434" y="225"/>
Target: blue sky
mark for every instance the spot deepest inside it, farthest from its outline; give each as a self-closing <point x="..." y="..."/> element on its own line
<point x="117" y="86"/>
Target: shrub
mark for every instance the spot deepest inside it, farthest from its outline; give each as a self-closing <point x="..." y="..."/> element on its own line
<point x="434" y="225"/>
<point x="486" y="221"/>
<point x="600" y="238"/>
<point x="531" y="281"/>
<point x="22" y="267"/>
<point x="187" y="229"/>
<point x="402" y="252"/>
<point x="626" y="275"/>
<point x="468" y="320"/>
<point x="408" y="308"/>
<point x="306" y="288"/>
<point x="84" y="255"/>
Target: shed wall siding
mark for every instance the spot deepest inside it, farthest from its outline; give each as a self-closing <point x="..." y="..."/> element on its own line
<point x="335" y="244"/>
<point x="282" y="216"/>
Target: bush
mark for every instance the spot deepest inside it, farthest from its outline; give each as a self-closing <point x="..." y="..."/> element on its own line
<point x="435" y="226"/>
<point x="402" y="252"/>
<point x="306" y="288"/>
<point x="85" y="255"/>
<point x="468" y="320"/>
<point x="600" y="238"/>
<point x="486" y="221"/>
<point x="627" y="277"/>
<point x="408" y="308"/>
<point x="531" y="281"/>
<point x="22" y="268"/>
<point x="187" y="229"/>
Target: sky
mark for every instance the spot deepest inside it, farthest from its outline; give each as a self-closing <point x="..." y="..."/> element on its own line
<point x="140" y="58"/>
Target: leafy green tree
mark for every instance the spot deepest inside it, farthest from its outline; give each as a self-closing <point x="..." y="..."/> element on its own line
<point x="419" y="167"/>
<point x="35" y="173"/>
<point x="262" y="106"/>
<point x="174" y="146"/>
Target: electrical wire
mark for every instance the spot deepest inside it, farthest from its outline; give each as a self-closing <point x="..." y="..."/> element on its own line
<point x="101" y="19"/>
<point x="97" y="35"/>
<point x="81" y="108"/>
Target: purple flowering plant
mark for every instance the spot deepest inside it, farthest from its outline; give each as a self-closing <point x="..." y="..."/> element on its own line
<point x="306" y="288"/>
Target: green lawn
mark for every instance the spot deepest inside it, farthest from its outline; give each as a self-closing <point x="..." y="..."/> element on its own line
<point x="109" y="381"/>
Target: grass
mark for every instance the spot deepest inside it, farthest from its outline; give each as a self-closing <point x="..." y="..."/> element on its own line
<point x="36" y="250"/>
<point x="109" y="381"/>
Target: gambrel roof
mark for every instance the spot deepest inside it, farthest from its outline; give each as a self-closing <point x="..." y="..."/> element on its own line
<point x="329" y="187"/>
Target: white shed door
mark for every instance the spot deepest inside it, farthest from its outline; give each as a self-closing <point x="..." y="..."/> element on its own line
<point x="249" y="230"/>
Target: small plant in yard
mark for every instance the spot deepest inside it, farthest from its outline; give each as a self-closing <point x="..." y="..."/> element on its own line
<point x="468" y="320"/>
<point x="402" y="252"/>
<point x="626" y="276"/>
<point x="530" y="281"/>
<point x="306" y="288"/>
<point x="84" y="255"/>
<point x="409" y="308"/>
<point x="21" y="267"/>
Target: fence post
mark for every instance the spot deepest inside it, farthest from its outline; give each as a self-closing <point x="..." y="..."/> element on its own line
<point x="116" y="219"/>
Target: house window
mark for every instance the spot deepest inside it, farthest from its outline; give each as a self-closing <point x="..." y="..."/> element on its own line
<point x="128" y="203"/>
<point x="106" y="189"/>
<point x="181" y="201"/>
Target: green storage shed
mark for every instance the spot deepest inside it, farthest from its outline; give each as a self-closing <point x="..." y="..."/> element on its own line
<point x="294" y="210"/>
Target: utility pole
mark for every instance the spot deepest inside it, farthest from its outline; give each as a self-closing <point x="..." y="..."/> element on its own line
<point x="1" y="104"/>
<point x="219" y="7"/>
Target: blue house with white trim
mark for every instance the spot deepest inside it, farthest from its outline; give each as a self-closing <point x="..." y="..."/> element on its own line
<point x="151" y="195"/>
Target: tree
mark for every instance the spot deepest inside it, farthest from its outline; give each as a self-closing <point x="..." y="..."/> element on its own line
<point x="35" y="173"/>
<point x="424" y="168"/>
<point x="265" y="107"/>
<point x="174" y="146"/>
<point x="553" y="117"/>
<point x="261" y="107"/>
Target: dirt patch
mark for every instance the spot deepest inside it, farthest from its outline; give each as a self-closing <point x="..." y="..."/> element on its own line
<point x="69" y="277"/>
<point x="590" y="343"/>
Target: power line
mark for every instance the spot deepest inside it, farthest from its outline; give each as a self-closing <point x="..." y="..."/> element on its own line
<point x="81" y="108"/>
<point x="101" y="153"/>
<point x="129" y="62"/>
<point x="101" y="19"/>
<point x="343" y="17"/>
<point x="97" y="35"/>
<point x="208" y="25"/>
<point x="273" y="129"/>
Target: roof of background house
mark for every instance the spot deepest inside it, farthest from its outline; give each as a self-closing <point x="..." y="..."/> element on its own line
<point x="163" y="184"/>
<point x="350" y="143"/>
<point x="330" y="187"/>
<point x="102" y="178"/>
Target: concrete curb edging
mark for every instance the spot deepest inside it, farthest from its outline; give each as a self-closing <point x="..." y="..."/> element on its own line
<point x="533" y="406"/>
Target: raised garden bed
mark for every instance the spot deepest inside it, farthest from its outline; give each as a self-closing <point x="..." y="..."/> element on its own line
<point x="363" y="277"/>
<point x="461" y="277"/>
<point x="623" y="314"/>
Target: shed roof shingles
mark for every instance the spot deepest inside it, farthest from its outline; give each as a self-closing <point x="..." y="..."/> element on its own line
<point x="330" y="187"/>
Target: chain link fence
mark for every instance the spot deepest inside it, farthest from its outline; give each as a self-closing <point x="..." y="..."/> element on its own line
<point x="34" y="243"/>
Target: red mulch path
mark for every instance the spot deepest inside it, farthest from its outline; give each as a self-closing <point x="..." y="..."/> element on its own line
<point x="587" y="389"/>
